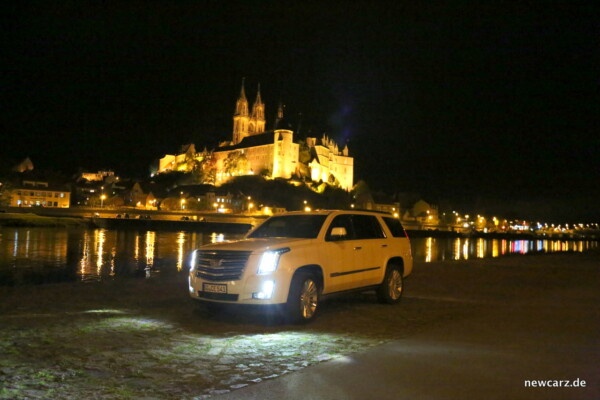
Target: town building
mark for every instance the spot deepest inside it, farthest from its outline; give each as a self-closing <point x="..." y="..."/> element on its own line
<point x="99" y="176"/>
<point x="39" y="194"/>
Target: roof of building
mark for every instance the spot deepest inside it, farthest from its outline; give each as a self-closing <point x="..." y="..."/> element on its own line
<point x="50" y="188"/>
<point x="251" y="141"/>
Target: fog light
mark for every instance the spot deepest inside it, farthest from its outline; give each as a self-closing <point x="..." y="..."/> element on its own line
<point x="266" y="291"/>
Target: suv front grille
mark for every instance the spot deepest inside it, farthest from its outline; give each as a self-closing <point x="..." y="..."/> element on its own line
<point x="221" y="265"/>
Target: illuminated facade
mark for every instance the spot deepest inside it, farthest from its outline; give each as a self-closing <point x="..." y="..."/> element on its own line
<point x="329" y="163"/>
<point x="177" y="162"/>
<point x="38" y="194"/>
<point x="273" y="153"/>
<point x="96" y="176"/>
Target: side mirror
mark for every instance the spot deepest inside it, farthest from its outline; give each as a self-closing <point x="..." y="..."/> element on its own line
<point x="338" y="233"/>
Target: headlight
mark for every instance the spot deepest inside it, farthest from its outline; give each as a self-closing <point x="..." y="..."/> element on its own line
<point x="193" y="260"/>
<point x="269" y="261"/>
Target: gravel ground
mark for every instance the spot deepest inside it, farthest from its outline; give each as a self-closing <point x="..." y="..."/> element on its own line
<point x="146" y="339"/>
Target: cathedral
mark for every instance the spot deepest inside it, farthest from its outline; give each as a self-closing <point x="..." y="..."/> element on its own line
<point x="272" y="153"/>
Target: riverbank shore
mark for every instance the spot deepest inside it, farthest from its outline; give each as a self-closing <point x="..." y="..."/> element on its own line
<point x="215" y="222"/>
<point x="34" y="220"/>
<point x="133" y="338"/>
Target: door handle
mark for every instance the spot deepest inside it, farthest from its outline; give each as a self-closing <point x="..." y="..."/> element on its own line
<point x="357" y="248"/>
<point x="384" y="245"/>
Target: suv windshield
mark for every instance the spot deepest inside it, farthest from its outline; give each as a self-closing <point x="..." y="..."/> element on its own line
<point x="290" y="226"/>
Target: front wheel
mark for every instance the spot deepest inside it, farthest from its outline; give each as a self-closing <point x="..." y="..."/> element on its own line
<point x="390" y="290"/>
<point x="303" y="299"/>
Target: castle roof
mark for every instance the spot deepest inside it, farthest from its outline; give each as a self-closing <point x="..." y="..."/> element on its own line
<point x="251" y="141"/>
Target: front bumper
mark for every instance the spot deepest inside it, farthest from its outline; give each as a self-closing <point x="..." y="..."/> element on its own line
<point x="247" y="290"/>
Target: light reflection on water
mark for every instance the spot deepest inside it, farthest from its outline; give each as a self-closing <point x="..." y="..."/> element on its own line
<point x="443" y="249"/>
<point x="39" y="255"/>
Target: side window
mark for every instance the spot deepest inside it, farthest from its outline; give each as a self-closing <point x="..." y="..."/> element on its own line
<point x="367" y="227"/>
<point x="341" y="221"/>
<point x="395" y="227"/>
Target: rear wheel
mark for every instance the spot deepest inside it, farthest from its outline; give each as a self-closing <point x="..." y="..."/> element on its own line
<point x="390" y="290"/>
<point x="303" y="299"/>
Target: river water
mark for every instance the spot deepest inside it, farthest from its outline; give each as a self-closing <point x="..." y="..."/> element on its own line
<point x="43" y="255"/>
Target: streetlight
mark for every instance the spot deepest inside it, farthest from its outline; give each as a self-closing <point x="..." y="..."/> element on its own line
<point x="102" y="200"/>
<point x="183" y="204"/>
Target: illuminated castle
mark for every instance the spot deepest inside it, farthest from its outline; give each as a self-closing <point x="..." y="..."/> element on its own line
<point x="272" y="153"/>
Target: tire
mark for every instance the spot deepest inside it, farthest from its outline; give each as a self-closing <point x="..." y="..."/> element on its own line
<point x="303" y="299"/>
<point x="391" y="289"/>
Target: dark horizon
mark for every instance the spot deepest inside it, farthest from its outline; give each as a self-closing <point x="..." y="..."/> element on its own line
<point x="488" y="107"/>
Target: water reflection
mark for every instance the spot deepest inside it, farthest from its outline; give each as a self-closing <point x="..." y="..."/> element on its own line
<point x="431" y="249"/>
<point x="180" y="242"/>
<point x="38" y="255"/>
<point x="428" y="249"/>
<point x="494" y="247"/>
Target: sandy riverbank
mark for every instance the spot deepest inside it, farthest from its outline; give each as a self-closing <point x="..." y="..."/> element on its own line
<point x="132" y="338"/>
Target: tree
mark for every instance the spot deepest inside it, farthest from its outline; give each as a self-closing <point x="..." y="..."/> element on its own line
<point x="236" y="163"/>
<point x="332" y="180"/>
<point x="202" y="168"/>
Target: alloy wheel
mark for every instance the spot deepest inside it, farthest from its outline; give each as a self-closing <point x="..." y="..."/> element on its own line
<point x="309" y="298"/>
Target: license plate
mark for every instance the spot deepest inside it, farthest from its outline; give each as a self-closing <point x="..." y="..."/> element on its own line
<point x="214" y="287"/>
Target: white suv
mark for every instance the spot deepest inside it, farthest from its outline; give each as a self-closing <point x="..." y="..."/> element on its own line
<point x="294" y="259"/>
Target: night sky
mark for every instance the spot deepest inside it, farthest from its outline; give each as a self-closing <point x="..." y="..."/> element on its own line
<point x="489" y="108"/>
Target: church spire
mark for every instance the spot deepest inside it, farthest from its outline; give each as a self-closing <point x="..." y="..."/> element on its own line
<point x="258" y="100"/>
<point x="257" y="120"/>
<point x="241" y="118"/>
<point x="241" y="107"/>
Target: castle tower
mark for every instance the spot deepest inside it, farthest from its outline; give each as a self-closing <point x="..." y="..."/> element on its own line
<point x="241" y="118"/>
<point x="257" y="120"/>
<point x="279" y="116"/>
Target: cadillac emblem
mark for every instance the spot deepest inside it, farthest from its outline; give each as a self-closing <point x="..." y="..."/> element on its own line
<point x="216" y="263"/>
